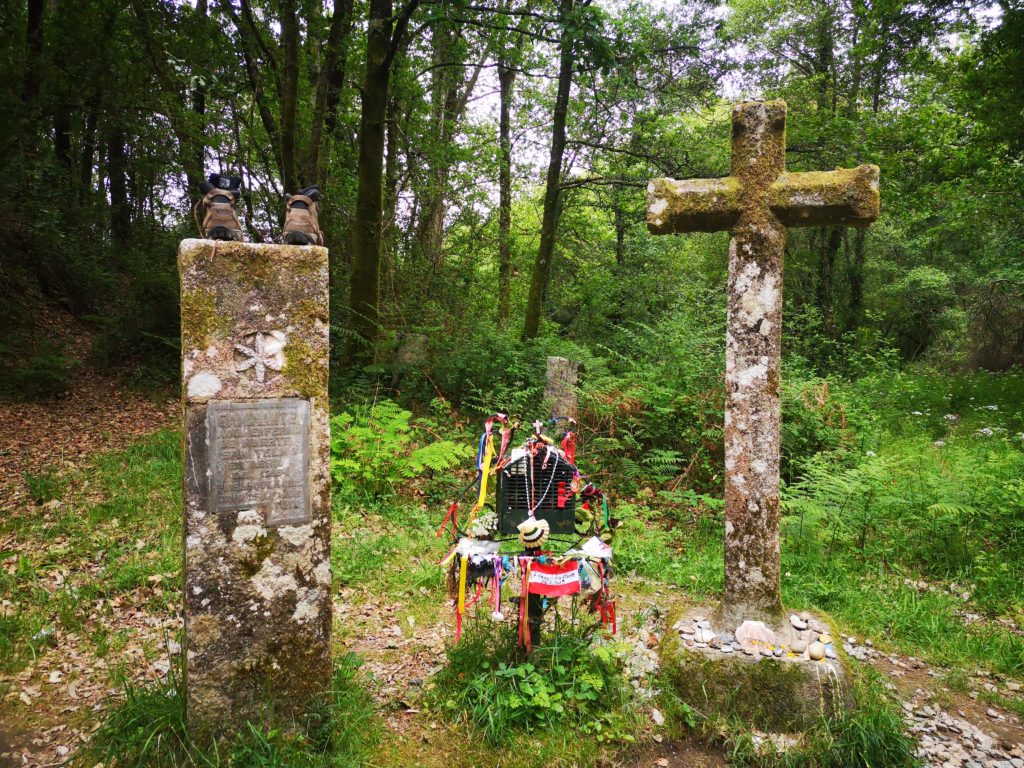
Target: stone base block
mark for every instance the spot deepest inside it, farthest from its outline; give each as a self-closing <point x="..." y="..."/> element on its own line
<point x="776" y="693"/>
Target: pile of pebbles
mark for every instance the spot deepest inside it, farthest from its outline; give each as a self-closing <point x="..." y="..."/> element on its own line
<point x="806" y="638"/>
<point x="950" y="741"/>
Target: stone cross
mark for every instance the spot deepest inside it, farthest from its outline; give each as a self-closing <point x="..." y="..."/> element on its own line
<point x="254" y="348"/>
<point x="757" y="203"/>
<point x="560" y="387"/>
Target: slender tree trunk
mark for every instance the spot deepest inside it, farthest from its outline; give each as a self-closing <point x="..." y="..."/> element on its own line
<point x="33" y="50"/>
<point x="506" y="82"/>
<point x="856" y="280"/>
<point x="390" y="240"/>
<point x="549" y="222"/>
<point x="830" y="246"/>
<point x="120" y="208"/>
<point x="382" y="40"/>
<point x="88" y="154"/>
<point x="196" y="163"/>
<point x="289" y="92"/>
<point x="620" y="230"/>
<point x="328" y="90"/>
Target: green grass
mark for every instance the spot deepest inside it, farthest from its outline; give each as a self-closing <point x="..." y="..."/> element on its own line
<point x="148" y="729"/>
<point x="118" y="522"/>
<point x="869" y="733"/>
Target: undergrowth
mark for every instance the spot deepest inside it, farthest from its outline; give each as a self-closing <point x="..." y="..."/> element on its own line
<point x="569" y="681"/>
<point x="148" y="729"/>
<point x="869" y="733"/>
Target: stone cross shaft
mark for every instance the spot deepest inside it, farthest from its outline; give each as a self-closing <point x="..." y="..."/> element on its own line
<point x="756" y="203"/>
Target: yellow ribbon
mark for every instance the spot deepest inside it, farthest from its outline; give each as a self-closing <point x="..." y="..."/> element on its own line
<point x="463" y="567"/>
<point x="485" y="471"/>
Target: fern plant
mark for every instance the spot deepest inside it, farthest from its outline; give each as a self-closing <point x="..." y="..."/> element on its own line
<point x="375" y="449"/>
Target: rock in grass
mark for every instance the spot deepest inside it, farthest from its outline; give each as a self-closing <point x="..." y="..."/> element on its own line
<point x="816" y="651"/>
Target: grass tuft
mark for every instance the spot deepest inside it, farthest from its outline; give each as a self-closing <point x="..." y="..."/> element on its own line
<point x="149" y="730"/>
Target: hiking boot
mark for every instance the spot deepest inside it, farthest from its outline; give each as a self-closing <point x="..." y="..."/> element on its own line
<point x="220" y="196"/>
<point x="301" y="225"/>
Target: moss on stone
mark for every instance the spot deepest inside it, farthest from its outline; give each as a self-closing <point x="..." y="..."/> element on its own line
<point x="305" y="368"/>
<point x="261" y="548"/>
<point x="774" y="695"/>
<point x="198" y="317"/>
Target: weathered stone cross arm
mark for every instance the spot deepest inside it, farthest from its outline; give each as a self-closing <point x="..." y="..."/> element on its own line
<point x="844" y="197"/>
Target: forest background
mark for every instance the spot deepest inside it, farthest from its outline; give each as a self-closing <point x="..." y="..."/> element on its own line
<point x="484" y="169"/>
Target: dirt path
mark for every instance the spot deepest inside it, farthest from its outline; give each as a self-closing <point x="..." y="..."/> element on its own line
<point x="98" y="414"/>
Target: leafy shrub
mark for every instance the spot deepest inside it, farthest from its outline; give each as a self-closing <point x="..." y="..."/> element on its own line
<point x="569" y="681"/>
<point x="374" y="448"/>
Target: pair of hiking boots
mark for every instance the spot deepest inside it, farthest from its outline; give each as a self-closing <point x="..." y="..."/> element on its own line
<point x="220" y="222"/>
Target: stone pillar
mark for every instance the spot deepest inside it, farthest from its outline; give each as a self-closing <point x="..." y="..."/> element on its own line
<point x="560" y="390"/>
<point x="753" y="357"/>
<point x="254" y="345"/>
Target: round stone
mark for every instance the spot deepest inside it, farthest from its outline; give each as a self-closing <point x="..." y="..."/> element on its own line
<point x="703" y="635"/>
<point x="766" y="651"/>
<point x="831" y="652"/>
<point x="798" y="646"/>
<point x="816" y="651"/>
<point x="825" y="638"/>
<point x="851" y="640"/>
<point x="687" y="630"/>
<point x="797" y="622"/>
<point x="778" y="651"/>
<point x="726" y="648"/>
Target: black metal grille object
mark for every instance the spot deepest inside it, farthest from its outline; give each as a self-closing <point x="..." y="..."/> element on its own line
<point x="550" y="492"/>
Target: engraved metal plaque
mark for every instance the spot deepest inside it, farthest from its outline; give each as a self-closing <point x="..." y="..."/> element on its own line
<point x="259" y="458"/>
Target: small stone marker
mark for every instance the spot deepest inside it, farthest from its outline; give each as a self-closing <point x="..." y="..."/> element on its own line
<point x="756" y="204"/>
<point x="257" y="483"/>
<point x="560" y="389"/>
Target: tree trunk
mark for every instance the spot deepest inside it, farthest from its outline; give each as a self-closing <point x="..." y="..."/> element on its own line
<point x="289" y="92"/>
<point x="328" y="90"/>
<point x="856" y="280"/>
<point x="549" y="222"/>
<point x="382" y="40"/>
<point x="196" y="163"/>
<point x="506" y="81"/>
<point x="826" y="275"/>
<point x="33" y="50"/>
<point x="620" y="230"/>
<point x="88" y="152"/>
<point x="120" y="209"/>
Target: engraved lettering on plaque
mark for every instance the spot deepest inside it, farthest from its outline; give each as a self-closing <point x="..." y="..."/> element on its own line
<point x="259" y="458"/>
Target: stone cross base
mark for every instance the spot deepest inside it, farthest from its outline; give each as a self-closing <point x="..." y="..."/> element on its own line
<point x="772" y="686"/>
<point x="257" y="481"/>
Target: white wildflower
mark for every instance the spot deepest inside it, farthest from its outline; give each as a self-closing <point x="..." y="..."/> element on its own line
<point x="985" y="432"/>
<point x="991" y="407"/>
<point x="951" y="417"/>
<point x="870" y="453"/>
<point x="939" y="443"/>
<point x="483" y="526"/>
<point x="916" y="413"/>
